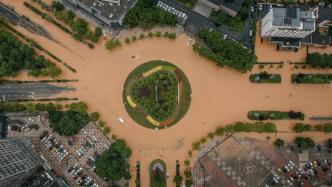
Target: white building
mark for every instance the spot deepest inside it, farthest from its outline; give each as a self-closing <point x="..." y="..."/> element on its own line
<point x="290" y="22"/>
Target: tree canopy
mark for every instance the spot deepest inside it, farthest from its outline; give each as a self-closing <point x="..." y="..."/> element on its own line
<point x="300" y="127"/>
<point x="79" y="26"/>
<point x="16" y="56"/>
<point x="279" y="142"/>
<point x="224" y="52"/>
<point x="146" y="14"/>
<point x="68" y="122"/>
<point x="113" y="164"/>
<point x="304" y="143"/>
<point x="319" y="60"/>
<point x="29" y="107"/>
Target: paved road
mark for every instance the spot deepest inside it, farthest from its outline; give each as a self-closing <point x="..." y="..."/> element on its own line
<point x="17" y="19"/>
<point x="30" y="91"/>
<point x="196" y="21"/>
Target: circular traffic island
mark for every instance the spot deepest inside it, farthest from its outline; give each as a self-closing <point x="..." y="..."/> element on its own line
<point x="157" y="94"/>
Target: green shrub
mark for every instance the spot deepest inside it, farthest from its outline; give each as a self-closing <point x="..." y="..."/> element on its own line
<point x="166" y="34"/>
<point x="106" y="130"/>
<point x="113" y="43"/>
<point x="141" y="36"/>
<point x="279" y="143"/>
<point x="133" y="38"/>
<point x="172" y="36"/>
<point x="158" y="34"/>
<point x="304" y="143"/>
<point x="300" y="127"/>
<point x="327" y="127"/>
<point x="94" y="116"/>
<point x="150" y="34"/>
<point x="127" y="40"/>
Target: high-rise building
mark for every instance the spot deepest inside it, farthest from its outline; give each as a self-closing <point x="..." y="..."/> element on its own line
<point x="289" y="27"/>
<point x="17" y="161"/>
<point x="289" y="22"/>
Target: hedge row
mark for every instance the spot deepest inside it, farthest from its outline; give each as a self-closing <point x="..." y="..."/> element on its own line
<point x="59" y="25"/>
<point x="311" y="78"/>
<point x="300" y="127"/>
<point x="274" y="115"/>
<point x="52" y="99"/>
<point x="37" y="46"/>
<point x="43" y="81"/>
<point x="264" y="77"/>
<point x="237" y="127"/>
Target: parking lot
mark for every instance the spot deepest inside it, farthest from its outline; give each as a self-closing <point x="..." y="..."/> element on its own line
<point x="72" y="157"/>
<point x="178" y="13"/>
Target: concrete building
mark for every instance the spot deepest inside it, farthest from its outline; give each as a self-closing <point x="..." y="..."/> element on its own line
<point x="17" y="161"/>
<point x="110" y="12"/>
<point x="290" y="27"/>
<point x="230" y="7"/>
<point x="290" y="22"/>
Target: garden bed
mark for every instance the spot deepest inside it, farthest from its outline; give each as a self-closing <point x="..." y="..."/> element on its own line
<point x="157" y="94"/>
<point x="275" y="115"/>
<point x="311" y="78"/>
<point x="158" y="172"/>
<point x="264" y="77"/>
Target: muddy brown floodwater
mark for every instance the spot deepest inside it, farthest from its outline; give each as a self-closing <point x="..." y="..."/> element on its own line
<point x="219" y="96"/>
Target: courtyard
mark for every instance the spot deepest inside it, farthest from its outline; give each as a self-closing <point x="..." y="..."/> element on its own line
<point x="219" y="96"/>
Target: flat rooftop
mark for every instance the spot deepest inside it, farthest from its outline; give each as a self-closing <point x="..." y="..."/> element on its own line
<point x="234" y="5"/>
<point x="294" y="17"/>
<point x="113" y="10"/>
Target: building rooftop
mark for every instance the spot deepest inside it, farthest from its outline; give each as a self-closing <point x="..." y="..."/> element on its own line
<point x="294" y="17"/>
<point x="113" y="10"/>
<point x="325" y="13"/>
<point x="317" y="39"/>
<point x="17" y="160"/>
<point x="234" y="5"/>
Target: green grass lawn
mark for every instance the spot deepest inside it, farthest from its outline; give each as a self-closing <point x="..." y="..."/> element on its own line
<point x="138" y="113"/>
<point x="158" y="182"/>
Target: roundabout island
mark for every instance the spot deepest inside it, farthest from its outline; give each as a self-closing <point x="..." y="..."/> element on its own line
<point x="157" y="94"/>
